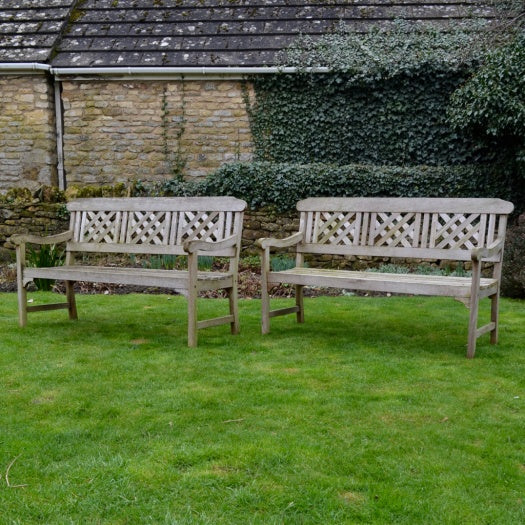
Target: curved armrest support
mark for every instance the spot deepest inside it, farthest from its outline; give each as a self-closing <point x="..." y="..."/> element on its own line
<point x="269" y="242"/>
<point x="19" y="239"/>
<point x="206" y="246"/>
<point x="493" y="249"/>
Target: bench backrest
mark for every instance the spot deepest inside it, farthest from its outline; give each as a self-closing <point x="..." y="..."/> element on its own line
<point x="153" y="225"/>
<point x="429" y="228"/>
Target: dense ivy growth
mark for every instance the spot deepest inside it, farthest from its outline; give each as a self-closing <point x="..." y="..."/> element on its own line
<point x="491" y="105"/>
<point x="329" y="118"/>
<point x="383" y="101"/>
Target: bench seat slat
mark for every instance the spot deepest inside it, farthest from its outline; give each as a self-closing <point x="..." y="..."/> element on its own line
<point x="382" y="282"/>
<point x="176" y="279"/>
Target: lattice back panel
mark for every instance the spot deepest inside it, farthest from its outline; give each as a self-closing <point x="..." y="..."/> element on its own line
<point x="401" y="229"/>
<point x="163" y="228"/>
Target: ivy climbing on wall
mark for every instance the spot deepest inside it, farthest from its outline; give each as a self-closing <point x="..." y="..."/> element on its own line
<point x="382" y="101"/>
<point x="173" y="120"/>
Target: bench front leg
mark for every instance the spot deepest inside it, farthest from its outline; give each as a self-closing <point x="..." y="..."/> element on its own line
<point x="299" y="302"/>
<point x="494" y="309"/>
<point x="474" y="307"/>
<point x="265" y="296"/>
<point x="192" y="299"/>
<point x="22" y="292"/>
<point x="71" y="300"/>
<point x="233" y="299"/>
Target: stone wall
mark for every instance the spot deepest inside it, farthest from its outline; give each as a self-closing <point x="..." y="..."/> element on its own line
<point x="115" y="131"/>
<point x="36" y="217"/>
<point x="27" y="132"/>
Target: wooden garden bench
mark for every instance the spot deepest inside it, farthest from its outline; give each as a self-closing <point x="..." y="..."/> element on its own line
<point x="189" y="226"/>
<point x="408" y="228"/>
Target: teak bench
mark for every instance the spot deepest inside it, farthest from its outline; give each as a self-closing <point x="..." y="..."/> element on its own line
<point x="409" y="228"/>
<point x="150" y="226"/>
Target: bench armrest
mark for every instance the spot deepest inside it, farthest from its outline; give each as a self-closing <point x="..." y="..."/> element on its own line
<point x="269" y="242"/>
<point x="19" y="239"/>
<point x="206" y="246"/>
<point x="491" y="250"/>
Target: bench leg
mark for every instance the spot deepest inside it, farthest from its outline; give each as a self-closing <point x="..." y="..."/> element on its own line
<point x="22" y="292"/>
<point x="22" y="305"/>
<point x="494" y="315"/>
<point x="299" y="303"/>
<point x="472" y="327"/>
<point x="192" y="317"/>
<point x="473" y="324"/>
<point x="71" y="300"/>
<point x="265" y="307"/>
<point x="234" y="309"/>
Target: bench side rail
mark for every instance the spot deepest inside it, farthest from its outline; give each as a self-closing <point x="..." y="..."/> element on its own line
<point x="154" y="226"/>
<point x="346" y="227"/>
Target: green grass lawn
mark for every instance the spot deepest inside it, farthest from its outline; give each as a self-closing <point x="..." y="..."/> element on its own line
<point x="367" y="413"/>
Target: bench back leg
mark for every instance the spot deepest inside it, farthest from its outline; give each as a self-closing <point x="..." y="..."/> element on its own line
<point x="234" y="308"/>
<point x="71" y="300"/>
<point x="300" y="303"/>
<point x="494" y="315"/>
<point x="22" y="305"/>
<point x="265" y="296"/>
<point x="474" y="307"/>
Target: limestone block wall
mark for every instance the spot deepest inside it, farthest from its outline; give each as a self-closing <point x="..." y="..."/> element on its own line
<point x="115" y="131"/>
<point x="27" y="132"/>
<point x="36" y="217"/>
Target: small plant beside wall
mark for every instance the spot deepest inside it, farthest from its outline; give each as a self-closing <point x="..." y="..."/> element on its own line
<point x="47" y="256"/>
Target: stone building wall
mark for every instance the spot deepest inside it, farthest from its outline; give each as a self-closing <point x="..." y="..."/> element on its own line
<point x="27" y="132"/>
<point x="115" y="131"/>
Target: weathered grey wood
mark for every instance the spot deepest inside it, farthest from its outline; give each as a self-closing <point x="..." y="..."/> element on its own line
<point x="380" y="251"/>
<point x="485" y="329"/>
<point x="387" y="204"/>
<point x="19" y="239"/>
<point x="44" y="307"/>
<point x="192" y="299"/>
<point x="382" y="282"/>
<point x="169" y="204"/>
<point x="216" y="321"/>
<point x="22" y="293"/>
<point x="279" y="243"/>
<point x="70" y="292"/>
<point x="474" y="306"/>
<point x="171" y="279"/>
<point x="420" y="228"/>
<point x="149" y="226"/>
<point x="284" y="311"/>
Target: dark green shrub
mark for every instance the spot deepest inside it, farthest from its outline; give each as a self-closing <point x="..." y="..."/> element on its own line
<point x="513" y="277"/>
<point x="282" y="185"/>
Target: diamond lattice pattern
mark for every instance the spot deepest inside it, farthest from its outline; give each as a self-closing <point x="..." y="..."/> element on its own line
<point x="159" y="228"/>
<point x="336" y="228"/>
<point x="458" y="231"/>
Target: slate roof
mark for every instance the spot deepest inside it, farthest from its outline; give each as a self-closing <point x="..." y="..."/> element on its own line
<point x="109" y="33"/>
<point x="29" y="29"/>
